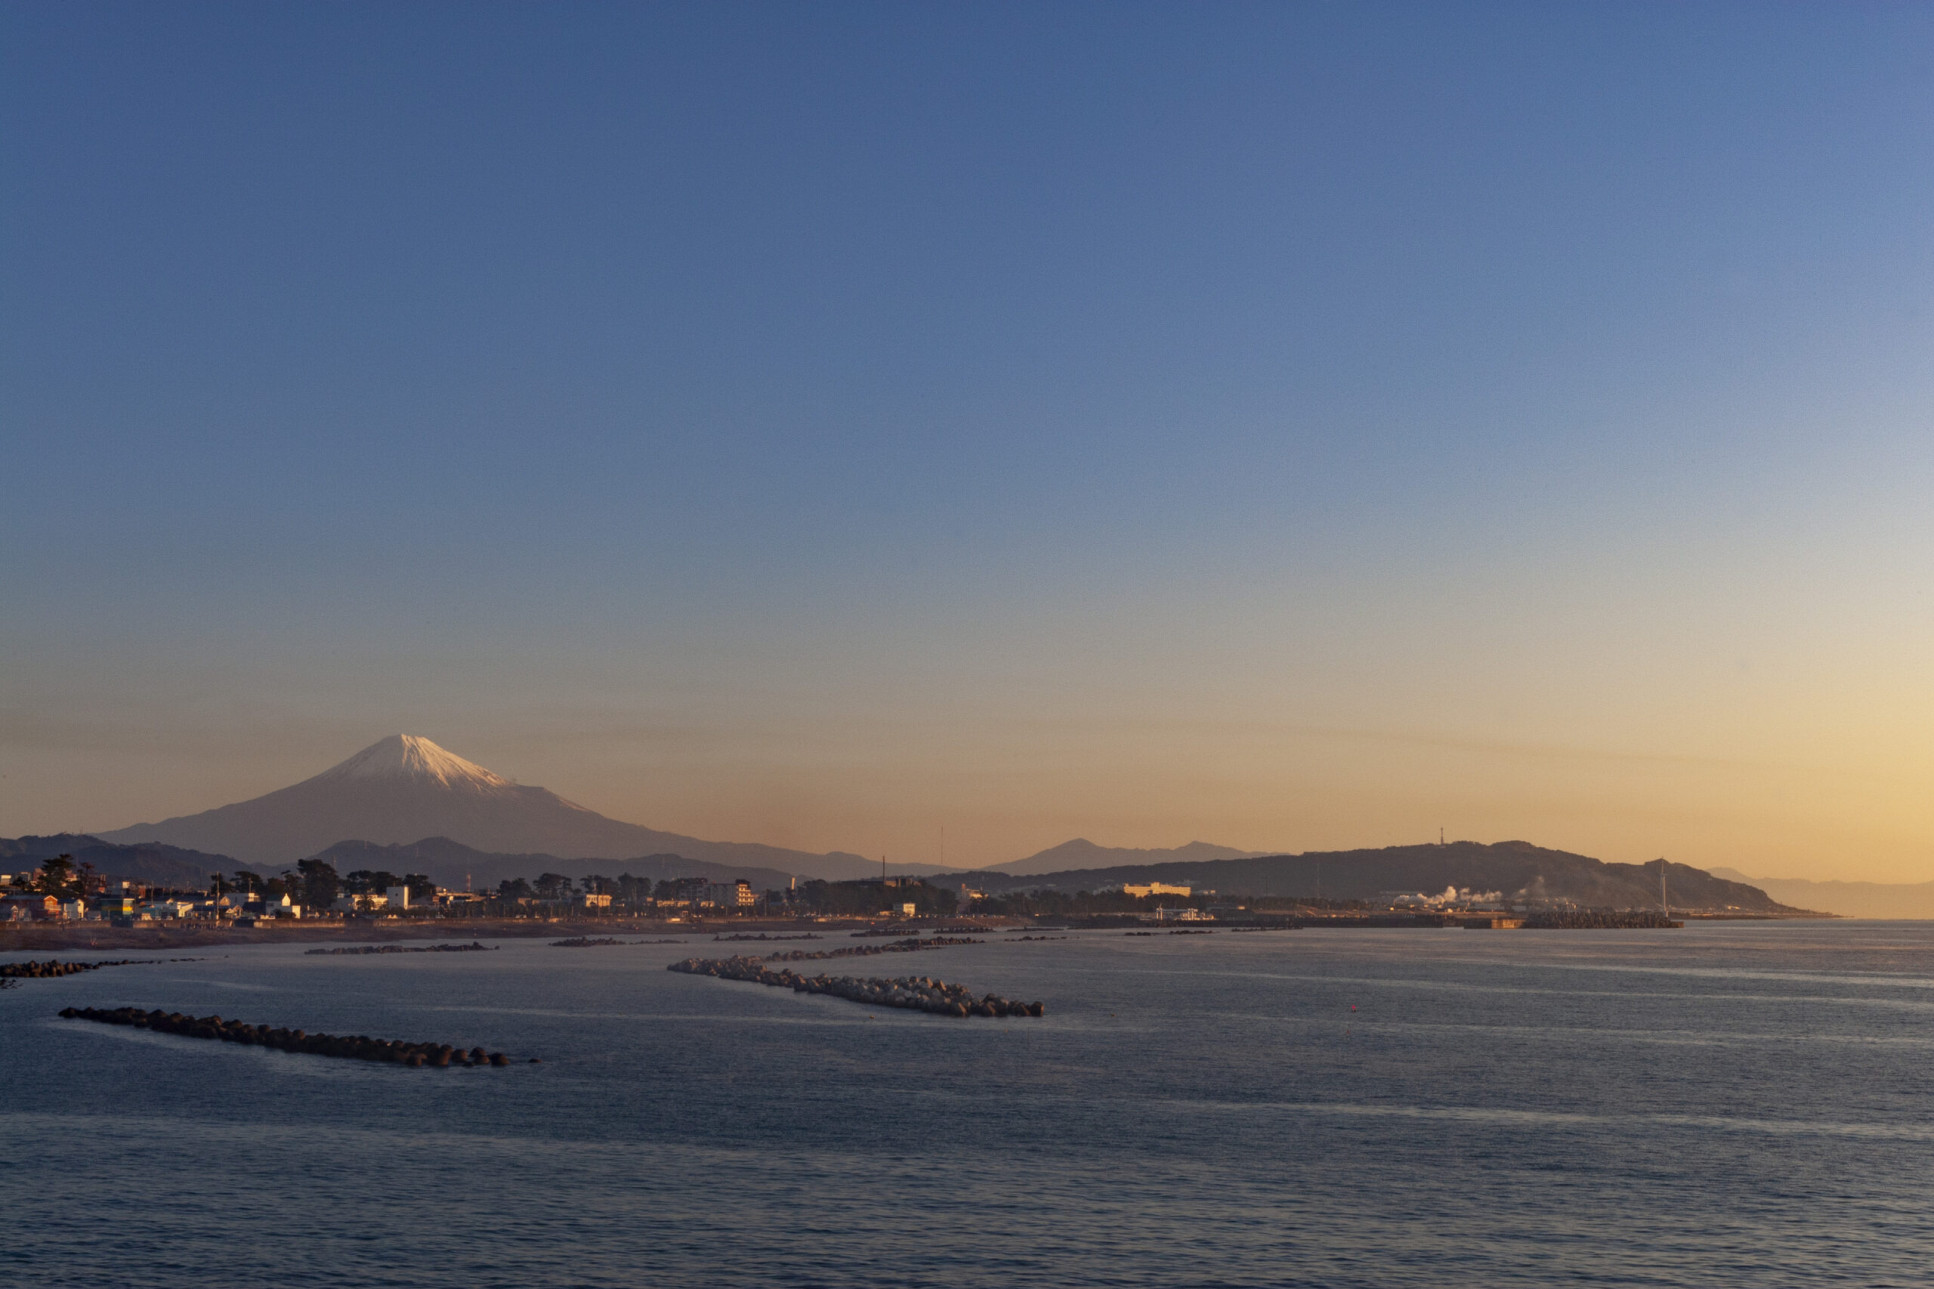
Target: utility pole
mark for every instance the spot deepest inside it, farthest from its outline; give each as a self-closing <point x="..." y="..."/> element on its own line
<point x="1664" y="907"/>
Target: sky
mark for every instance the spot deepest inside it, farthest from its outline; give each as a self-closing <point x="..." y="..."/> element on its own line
<point x="945" y="430"/>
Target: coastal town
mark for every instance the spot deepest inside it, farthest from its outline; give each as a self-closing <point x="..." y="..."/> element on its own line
<point x="312" y="897"/>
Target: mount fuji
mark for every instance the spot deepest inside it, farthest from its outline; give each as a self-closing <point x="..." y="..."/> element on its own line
<point x="403" y="789"/>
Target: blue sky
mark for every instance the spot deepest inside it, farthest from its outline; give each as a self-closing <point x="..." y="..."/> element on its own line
<point x="1292" y="425"/>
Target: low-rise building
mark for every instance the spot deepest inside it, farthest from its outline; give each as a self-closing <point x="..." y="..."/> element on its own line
<point x="728" y="895"/>
<point x="1155" y="888"/>
<point x="24" y="905"/>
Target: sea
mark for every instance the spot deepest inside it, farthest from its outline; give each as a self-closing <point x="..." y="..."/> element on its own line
<point x="1734" y="1103"/>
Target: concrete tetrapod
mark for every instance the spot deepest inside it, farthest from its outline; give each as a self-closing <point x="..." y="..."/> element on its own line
<point x="353" y="1047"/>
<point x="53" y="967"/>
<point x="914" y="993"/>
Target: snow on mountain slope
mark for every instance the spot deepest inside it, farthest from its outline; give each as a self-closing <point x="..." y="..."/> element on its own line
<point x="405" y="756"/>
<point x="403" y="788"/>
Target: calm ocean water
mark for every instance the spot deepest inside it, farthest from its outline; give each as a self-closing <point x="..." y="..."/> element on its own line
<point x="1741" y="1104"/>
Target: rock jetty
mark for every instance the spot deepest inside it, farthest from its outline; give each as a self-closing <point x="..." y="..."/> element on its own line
<point x="354" y="949"/>
<point x="914" y="993"/>
<point x="51" y="968"/>
<point x="353" y="1046"/>
<point x="912" y="944"/>
<point x="1601" y="920"/>
<point x="586" y="942"/>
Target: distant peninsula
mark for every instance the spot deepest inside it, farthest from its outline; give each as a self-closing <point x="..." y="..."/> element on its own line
<point x="1515" y="870"/>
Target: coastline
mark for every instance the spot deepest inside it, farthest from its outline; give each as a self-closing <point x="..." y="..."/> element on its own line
<point x="42" y="937"/>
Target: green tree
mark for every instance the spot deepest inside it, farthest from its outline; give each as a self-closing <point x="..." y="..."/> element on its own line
<point x="321" y="885"/>
<point x="56" y="877"/>
<point x="553" y="886"/>
<point x="370" y="881"/>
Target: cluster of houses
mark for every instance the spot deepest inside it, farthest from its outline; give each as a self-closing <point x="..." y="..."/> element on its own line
<point x="122" y="904"/>
<point x="125" y="903"/>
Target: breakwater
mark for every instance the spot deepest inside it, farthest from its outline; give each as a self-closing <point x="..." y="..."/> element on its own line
<point x="352" y="1047"/>
<point x="1600" y="920"/>
<point x="913" y="993"/>
<point x="586" y="942"/>
<point x="52" y="968"/>
<point x="354" y="950"/>
<point x="910" y="945"/>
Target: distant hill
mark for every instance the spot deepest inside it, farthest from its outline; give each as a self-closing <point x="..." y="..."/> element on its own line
<point x="446" y="862"/>
<point x="1848" y="899"/>
<point x="454" y="865"/>
<point x="1082" y="853"/>
<point x="1513" y="868"/>
<point x="150" y="862"/>
<point x="403" y="788"/>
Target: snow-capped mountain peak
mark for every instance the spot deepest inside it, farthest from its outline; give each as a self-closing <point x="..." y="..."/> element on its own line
<point x="406" y="756"/>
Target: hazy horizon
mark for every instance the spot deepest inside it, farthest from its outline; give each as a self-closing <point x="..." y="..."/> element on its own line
<point x="936" y="860"/>
<point x="1290" y="428"/>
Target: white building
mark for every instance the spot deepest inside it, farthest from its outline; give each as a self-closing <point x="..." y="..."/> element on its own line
<point x="730" y="895"/>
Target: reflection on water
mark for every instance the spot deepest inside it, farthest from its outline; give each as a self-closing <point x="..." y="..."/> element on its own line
<point x="1730" y="1104"/>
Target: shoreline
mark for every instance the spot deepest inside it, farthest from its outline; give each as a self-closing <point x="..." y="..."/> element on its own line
<point x="41" y="937"/>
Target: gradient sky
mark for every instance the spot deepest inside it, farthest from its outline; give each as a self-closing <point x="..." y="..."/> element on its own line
<point x="1285" y="425"/>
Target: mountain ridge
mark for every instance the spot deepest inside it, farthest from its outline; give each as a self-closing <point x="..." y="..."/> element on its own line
<point x="1081" y="853"/>
<point x="150" y="863"/>
<point x="1512" y="868"/>
<point x="453" y="865"/>
<point x="1912" y="901"/>
<point x="404" y="788"/>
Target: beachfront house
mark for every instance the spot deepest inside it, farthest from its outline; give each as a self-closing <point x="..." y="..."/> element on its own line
<point x="24" y="905"/>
